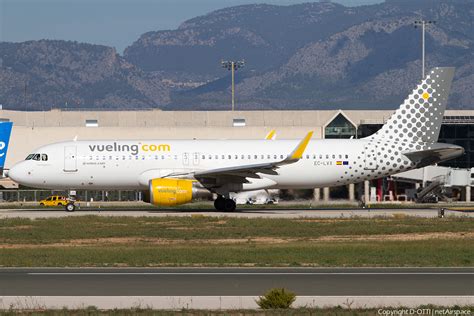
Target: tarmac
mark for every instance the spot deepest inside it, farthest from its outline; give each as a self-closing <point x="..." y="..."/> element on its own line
<point x="224" y="288"/>
<point x="245" y="213"/>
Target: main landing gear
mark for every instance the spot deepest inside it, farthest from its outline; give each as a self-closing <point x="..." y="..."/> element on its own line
<point x="224" y="204"/>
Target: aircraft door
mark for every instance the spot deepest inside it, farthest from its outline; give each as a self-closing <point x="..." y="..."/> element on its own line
<point x="371" y="157"/>
<point x="70" y="158"/>
<point x="196" y="159"/>
<point x="186" y="159"/>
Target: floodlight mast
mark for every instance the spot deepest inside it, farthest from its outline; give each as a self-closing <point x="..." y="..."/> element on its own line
<point x="233" y="66"/>
<point x="423" y="24"/>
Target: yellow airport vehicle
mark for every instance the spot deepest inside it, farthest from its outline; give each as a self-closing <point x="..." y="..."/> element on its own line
<point x="54" y="200"/>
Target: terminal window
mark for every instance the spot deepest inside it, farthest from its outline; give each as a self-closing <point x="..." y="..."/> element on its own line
<point x="340" y="127"/>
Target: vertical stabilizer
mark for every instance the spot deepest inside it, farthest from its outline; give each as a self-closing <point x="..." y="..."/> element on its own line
<point x="419" y="118"/>
<point x="5" y="131"/>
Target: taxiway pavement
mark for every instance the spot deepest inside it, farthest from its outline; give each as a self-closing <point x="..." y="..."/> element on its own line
<point x="236" y="281"/>
<point x="246" y="213"/>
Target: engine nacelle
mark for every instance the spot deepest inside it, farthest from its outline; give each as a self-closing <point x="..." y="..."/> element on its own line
<point x="171" y="192"/>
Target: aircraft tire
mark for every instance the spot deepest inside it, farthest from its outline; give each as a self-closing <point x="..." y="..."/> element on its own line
<point x="70" y="207"/>
<point x="229" y="205"/>
<point x="219" y="203"/>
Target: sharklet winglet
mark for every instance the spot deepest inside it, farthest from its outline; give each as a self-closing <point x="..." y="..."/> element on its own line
<point x="297" y="153"/>
<point x="270" y="135"/>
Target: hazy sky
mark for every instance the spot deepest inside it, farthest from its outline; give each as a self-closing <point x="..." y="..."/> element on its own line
<point x="109" y="22"/>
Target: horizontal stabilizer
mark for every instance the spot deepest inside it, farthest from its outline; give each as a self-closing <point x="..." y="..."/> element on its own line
<point x="438" y="153"/>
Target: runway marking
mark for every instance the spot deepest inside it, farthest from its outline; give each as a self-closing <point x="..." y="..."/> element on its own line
<point x="250" y="273"/>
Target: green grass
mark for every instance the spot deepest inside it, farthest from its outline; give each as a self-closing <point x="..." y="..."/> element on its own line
<point x="211" y="241"/>
<point x="41" y="231"/>
<point x="354" y="254"/>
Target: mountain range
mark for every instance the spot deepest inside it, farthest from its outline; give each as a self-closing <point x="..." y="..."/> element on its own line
<point x="315" y="55"/>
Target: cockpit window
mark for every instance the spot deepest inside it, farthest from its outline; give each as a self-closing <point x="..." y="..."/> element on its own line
<point x="38" y="157"/>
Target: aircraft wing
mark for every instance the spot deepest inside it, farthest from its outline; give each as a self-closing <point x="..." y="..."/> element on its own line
<point x="439" y="152"/>
<point x="239" y="174"/>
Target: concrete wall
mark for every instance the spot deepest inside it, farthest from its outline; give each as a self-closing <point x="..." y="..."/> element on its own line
<point x="156" y="118"/>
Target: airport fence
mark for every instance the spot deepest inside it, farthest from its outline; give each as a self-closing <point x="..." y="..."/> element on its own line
<point x="82" y="195"/>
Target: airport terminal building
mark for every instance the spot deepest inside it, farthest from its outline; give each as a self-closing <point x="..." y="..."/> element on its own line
<point x="34" y="129"/>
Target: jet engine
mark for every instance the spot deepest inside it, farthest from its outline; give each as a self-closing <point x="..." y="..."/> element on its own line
<point x="171" y="192"/>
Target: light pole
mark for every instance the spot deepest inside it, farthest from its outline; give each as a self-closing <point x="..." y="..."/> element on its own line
<point x="232" y="66"/>
<point x="423" y="25"/>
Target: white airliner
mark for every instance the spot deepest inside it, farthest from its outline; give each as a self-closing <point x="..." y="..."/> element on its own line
<point x="173" y="172"/>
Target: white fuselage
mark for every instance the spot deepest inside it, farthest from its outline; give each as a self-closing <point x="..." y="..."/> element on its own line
<point x="115" y="164"/>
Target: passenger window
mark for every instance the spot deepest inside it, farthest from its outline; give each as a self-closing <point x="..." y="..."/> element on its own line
<point x="243" y="156"/>
<point x="44" y="157"/>
<point x="333" y="156"/>
<point x="347" y="156"/>
<point x="230" y="157"/>
<point x="268" y="156"/>
<point x="340" y="156"/>
<point x="249" y="157"/>
<point x="307" y="156"/>
<point x="281" y="156"/>
<point x="203" y="157"/>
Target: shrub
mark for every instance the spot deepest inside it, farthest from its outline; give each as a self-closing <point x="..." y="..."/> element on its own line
<point x="276" y="298"/>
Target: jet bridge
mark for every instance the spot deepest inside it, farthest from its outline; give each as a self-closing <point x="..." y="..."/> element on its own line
<point x="438" y="182"/>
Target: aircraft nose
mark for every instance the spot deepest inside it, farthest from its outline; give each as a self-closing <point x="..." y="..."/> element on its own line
<point x="17" y="173"/>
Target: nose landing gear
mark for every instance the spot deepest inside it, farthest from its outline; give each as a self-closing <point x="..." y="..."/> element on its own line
<point x="224" y="204"/>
